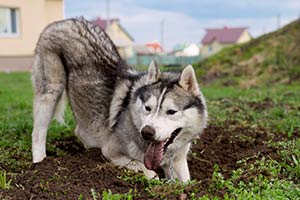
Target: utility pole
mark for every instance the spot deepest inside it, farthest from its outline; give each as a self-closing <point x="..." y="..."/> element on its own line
<point x="264" y="29"/>
<point x="162" y="27"/>
<point x="107" y="12"/>
<point x="278" y="21"/>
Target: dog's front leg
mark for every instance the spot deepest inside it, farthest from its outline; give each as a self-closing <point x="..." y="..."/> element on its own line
<point x="177" y="166"/>
<point x="181" y="169"/>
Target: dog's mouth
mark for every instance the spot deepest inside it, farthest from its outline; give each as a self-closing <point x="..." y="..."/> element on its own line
<point x="155" y="151"/>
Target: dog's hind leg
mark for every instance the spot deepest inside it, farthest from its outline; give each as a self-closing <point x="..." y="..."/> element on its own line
<point x="49" y="81"/>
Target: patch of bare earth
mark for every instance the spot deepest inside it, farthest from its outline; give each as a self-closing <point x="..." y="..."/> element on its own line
<point x="75" y="174"/>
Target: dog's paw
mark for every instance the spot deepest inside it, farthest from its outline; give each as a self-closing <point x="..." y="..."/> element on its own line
<point x="37" y="160"/>
<point x="38" y="156"/>
<point x="150" y="174"/>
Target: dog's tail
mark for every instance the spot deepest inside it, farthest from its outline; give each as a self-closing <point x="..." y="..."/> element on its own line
<point x="60" y="108"/>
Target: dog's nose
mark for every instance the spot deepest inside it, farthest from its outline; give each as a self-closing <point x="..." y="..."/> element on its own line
<point x="148" y="132"/>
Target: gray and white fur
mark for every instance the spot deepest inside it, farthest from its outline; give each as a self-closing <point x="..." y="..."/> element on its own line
<point x="143" y="121"/>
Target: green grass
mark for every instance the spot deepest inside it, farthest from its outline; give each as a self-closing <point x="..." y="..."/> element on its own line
<point x="4" y="182"/>
<point x="281" y="116"/>
<point x="108" y="195"/>
<point x="16" y="97"/>
<point x="270" y="59"/>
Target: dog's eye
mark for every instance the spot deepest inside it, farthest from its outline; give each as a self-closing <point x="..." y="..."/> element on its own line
<point x="147" y="108"/>
<point x="171" y="112"/>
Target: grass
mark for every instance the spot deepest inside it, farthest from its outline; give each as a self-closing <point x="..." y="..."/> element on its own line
<point x="274" y="108"/>
<point x="108" y="195"/>
<point x="16" y="121"/>
<point x="4" y="183"/>
<point x="267" y="60"/>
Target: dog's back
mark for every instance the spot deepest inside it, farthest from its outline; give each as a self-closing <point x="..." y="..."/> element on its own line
<point x="74" y="56"/>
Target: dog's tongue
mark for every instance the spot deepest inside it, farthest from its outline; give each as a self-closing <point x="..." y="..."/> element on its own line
<point x="154" y="155"/>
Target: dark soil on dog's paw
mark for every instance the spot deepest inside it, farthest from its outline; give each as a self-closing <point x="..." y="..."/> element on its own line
<point x="80" y="172"/>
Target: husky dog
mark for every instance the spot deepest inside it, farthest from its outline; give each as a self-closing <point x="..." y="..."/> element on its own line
<point x="143" y="121"/>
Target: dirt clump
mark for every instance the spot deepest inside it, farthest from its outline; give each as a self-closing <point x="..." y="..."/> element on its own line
<point x="267" y="103"/>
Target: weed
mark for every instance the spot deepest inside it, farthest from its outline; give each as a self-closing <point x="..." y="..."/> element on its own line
<point x="290" y="152"/>
<point x="157" y="187"/>
<point x="44" y="185"/>
<point x="94" y="194"/>
<point x="4" y="183"/>
<point x="108" y="195"/>
<point x="80" y="197"/>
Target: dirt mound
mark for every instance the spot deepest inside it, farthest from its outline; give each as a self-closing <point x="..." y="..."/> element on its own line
<point x="68" y="177"/>
<point x="225" y="146"/>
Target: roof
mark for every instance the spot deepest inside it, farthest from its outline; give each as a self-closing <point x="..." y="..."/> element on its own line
<point x="155" y="45"/>
<point x="142" y="50"/>
<point x="224" y="35"/>
<point x="180" y="47"/>
<point x="102" y="23"/>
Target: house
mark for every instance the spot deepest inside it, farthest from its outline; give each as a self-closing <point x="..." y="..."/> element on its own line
<point x="182" y="55"/>
<point x="186" y="49"/>
<point x="155" y="47"/>
<point x="144" y="53"/>
<point x="216" y="39"/>
<point x="21" y="22"/>
<point x="121" y="38"/>
<point x="142" y="50"/>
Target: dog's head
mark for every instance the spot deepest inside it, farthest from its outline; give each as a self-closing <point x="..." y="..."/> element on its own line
<point x="166" y="107"/>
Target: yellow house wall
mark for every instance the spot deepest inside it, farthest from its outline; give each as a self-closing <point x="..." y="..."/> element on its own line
<point x="54" y="10"/>
<point x="33" y="18"/>
<point x="216" y="47"/>
<point x="117" y="35"/>
<point x="121" y="40"/>
<point x="245" y="37"/>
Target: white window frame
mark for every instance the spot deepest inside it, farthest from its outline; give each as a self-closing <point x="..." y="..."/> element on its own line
<point x="9" y="21"/>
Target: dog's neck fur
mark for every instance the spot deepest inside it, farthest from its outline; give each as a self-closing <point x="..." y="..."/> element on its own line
<point x="120" y="116"/>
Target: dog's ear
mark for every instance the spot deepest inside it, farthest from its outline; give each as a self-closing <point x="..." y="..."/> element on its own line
<point x="153" y="73"/>
<point x="188" y="80"/>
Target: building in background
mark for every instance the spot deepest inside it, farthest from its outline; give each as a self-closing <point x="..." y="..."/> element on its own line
<point x="121" y="38"/>
<point x="21" y="22"/>
<point x="155" y="47"/>
<point x="185" y="49"/>
<point x="181" y="55"/>
<point x="216" y="39"/>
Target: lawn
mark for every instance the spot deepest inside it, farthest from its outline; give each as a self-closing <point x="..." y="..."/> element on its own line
<point x="251" y="150"/>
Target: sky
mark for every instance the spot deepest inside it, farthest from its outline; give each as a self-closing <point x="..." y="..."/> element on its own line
<point x="186" y="20"/>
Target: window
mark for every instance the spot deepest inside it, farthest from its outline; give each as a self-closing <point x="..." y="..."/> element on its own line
<point x="210" y="48"/>
<point x="8" y="21"/>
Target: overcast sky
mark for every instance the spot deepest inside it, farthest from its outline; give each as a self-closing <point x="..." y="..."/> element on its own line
<point x="186" y="20"/>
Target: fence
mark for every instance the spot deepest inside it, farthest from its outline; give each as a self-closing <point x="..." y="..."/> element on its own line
<point x="164" y="60"/>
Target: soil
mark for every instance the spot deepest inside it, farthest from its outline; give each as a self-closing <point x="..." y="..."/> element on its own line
<point x="75" y="174"/>
<point x="267" y="103"/>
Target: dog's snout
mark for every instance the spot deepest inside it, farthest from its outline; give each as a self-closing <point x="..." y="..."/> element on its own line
<point x="148" y="132"/>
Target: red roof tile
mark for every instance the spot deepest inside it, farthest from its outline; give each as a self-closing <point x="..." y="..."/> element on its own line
<point x="155" y="46"/>
<point x="224" y="36"/>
